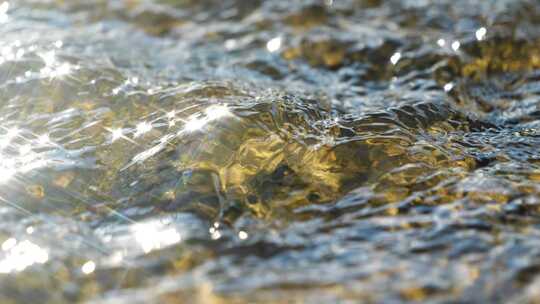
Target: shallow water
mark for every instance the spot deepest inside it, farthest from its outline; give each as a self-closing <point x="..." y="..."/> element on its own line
<point x="179" y="151"/>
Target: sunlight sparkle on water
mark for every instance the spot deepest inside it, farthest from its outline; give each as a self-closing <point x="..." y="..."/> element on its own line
<point x="455" y="45"/>
<point x="133" y="80"/>
<point x="12" y="132"/>
<point x="230" y="44"/>
<point x="153" y="235"/>
<point x="243" y="235"/>
<point x="21" y="255"/>
<point x="214" y="233"/>
<point x="395" y="58"/>
<point x="88" y="267"/>
<point x="25" y="161"/>
<point x="44" y="139"/>
<point x="8" y="244"/>
<point x="7" y="166"/>
<point x="171" y="116"/>
<point x="7" y="53"/>
<point x="142" y="128"/>
<point x="441" y="42"/>
<point x="198" y="121"/>
<point x="116" y="134"/>
<point x="216" y="112"/>
<point x="49" y="58"/>
<point x="8" y="137"/>
<point x="4" y="7"/>
<point x="194" y="123"/>
<point x="481" y="33"/>
<point x="53" y="68"/>
<point x="20" y="53"/>
<point x="274" y="44"/>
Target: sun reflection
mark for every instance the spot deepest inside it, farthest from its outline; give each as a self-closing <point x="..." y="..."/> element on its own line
<point x="20" y="53"/>
<point x="171" y="115"/>
<point x="216" y="112"/>
<point x="7" y="53"/>
<point x="117" y="134"/>
<point x="133" y="80"/>
<point x="230" y="44"/>
<point x="395" y="58"/>
<point x="53" y="68"/>
<point x="155" y="235"/>
<point x="116" y="258"/>
<point x="4" y="7"/>
<point x="198" y="121"/>
<point x="88" y="267"/>
<point x="8" y="244"/>
<point x="455" y="45"/>
<point x="9" y="136"/>
<point x="21" y="157"/>
<point x="44" y="139"/>
<point x="441" y="42"/>
<point x="20" y="255"/>
<point x="242" y="235"/>
<point x="49" y="58"/>
<point x="481" y="33"/>
<point x="142" y="128"/>
<point x="274" y="44"/>
<point x="7" y="166"/>
<point x="194" y="123"/>
<point x="214" y="233"/>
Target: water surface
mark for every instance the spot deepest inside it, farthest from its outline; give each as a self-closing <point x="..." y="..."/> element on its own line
<point x="345" y="151"/>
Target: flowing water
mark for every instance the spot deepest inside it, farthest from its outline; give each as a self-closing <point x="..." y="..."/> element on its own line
<point x="197" y="151"/>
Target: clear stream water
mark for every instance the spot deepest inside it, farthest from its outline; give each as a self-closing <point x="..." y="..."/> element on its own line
<point x="196" y="151"/>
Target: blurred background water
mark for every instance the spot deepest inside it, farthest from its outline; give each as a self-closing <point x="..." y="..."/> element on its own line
<point x="337" y="151"/>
